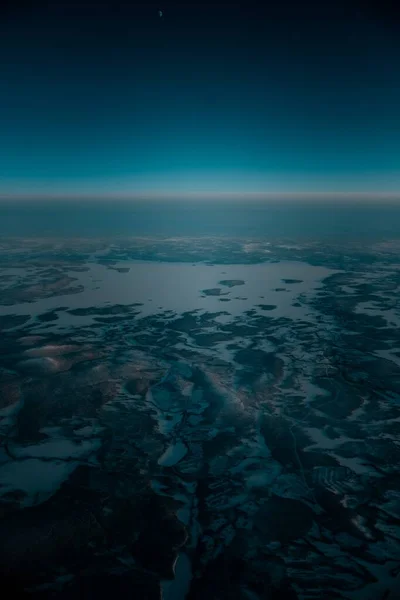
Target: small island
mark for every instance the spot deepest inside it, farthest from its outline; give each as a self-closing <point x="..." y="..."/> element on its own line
<point x="120" y="269"/>
<point x="212" y="292"/>
<point x="292" y="281"/>
<point x="267" y="306"/>
<point x="231" y="282"/>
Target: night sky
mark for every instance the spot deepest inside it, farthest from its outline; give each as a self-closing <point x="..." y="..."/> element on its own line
<point x="109" y="98"/>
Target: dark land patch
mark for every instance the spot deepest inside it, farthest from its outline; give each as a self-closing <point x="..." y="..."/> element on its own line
<point x="112" y="319"/>
<point x="267" y="306"/>
<point x="48" y="316"/>
<point x="10" y="321"/>
<point x="284" y="519"/>
<point x="116" y="309"/>
<point x="208" y="339"/>
<point x="213" y="292"/>
<point x="292" y="281"/>
<point x="260" y="360"/>
<point x="231" y="282"/>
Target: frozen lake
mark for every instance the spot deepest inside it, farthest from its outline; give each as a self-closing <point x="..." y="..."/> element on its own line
<point x="178" y="287"/>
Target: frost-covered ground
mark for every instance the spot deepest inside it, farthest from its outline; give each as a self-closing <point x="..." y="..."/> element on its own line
<point x="200" y="418"/>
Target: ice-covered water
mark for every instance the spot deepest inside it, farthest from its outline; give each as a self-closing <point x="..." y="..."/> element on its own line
<point x="178" y="287"/>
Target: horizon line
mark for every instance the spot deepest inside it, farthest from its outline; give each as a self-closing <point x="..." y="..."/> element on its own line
<point x="207" y="195"/>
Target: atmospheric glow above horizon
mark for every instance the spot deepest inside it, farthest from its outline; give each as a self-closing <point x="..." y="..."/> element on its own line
<point x="208" y="184"/>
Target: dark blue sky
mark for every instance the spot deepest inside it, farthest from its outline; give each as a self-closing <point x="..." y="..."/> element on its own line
<point x="108" y="97"/>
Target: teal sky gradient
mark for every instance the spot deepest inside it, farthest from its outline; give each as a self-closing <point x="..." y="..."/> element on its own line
<point x="198" y="102"/>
